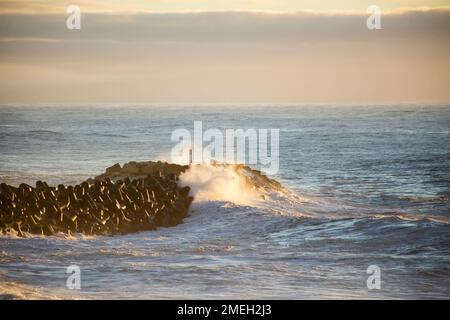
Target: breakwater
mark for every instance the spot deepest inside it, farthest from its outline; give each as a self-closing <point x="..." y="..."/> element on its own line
<point x="107" y="205"/>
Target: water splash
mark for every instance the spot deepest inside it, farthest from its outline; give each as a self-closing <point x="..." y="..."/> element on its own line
<point x="219" y="183"/>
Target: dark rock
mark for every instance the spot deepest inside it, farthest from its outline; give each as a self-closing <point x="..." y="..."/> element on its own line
<point x="115" y="169"/>
<point x="39" y="185"/>
<point x="184" y="192"/>
<point x="130" y="168"/>
<point x="100" y="206"/>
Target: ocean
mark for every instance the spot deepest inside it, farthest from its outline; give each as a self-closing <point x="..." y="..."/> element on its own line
<point x="368" y="186"/>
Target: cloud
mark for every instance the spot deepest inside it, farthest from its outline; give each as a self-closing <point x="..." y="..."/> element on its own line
<point x="226" y="57"/>
<point x="226" y="27"/>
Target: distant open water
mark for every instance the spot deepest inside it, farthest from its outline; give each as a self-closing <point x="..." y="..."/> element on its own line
<point x="376" y="180"/>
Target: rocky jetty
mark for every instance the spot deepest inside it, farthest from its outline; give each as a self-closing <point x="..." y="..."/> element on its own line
<point x="142" y="169"/>
<point x="136" y="197"/>
<point x="95" y="207"/>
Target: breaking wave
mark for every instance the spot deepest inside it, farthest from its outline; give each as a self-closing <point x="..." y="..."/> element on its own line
<point x="242" y="186"/>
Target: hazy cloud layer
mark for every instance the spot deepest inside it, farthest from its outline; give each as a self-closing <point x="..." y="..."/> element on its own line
<point x="226" y="27"/>
<point x="225" y="57"/>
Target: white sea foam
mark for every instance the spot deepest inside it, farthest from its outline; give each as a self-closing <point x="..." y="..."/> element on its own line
<point x="16" y="291"/>
<point x="219" y="183"/>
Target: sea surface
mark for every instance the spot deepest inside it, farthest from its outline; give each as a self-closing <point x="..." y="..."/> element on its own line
<point x="369" y="185"/>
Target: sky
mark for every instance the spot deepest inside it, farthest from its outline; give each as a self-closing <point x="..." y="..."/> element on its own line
<point x="214" y="51"/>
<point x="55" y="6"/>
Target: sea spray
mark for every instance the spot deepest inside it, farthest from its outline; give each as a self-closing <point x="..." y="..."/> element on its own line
<point x="219" y="183"/>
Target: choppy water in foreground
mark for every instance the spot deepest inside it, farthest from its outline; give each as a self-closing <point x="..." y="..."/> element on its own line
<point x="374" y="183"/>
